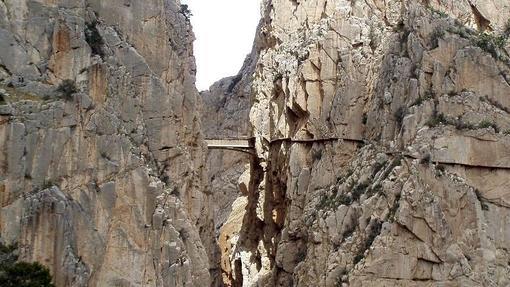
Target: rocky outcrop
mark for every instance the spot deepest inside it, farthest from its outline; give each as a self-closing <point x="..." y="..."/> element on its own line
<point x="103" y="162"/>
<point x="382" y="132"/>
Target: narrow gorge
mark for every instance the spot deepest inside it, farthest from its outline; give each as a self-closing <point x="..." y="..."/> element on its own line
<point x="379" y="145"/>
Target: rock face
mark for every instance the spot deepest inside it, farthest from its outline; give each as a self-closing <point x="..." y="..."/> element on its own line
<point x="225" y="114"/>
<point x="382" y="138"/>
<point x="103" y="162"/>
<point x="382" y="145"/>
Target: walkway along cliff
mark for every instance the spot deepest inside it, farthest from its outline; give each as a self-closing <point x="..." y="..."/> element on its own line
<point x="382" y="134"/>
<point x="368" y="144"/>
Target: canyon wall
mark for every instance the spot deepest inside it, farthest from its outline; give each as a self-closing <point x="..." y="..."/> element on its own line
<point x="225" y="115"/>
<point x="383" y="146"/>
<point x="103" y="175"/>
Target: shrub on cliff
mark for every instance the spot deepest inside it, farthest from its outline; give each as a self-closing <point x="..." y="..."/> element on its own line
<point x="67" y="88"/>
<point x="21" y="274"/>
<point x="185" y="11"/>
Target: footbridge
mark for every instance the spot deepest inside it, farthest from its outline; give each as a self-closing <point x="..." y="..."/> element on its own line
<point x="238" y="144"/>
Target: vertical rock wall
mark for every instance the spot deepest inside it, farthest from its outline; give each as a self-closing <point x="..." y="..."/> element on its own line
<point x="382" y="145"/>
<point x="105" y="183"/>
<point x="225" y="114"/>
<point x="382" y="135"/>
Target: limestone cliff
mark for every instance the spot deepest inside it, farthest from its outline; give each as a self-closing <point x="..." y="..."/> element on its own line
<point x="225" y="114"/>
<point x="382" y="145"/>
<point x="102" y="158"/>
<point x="382" y="137"/>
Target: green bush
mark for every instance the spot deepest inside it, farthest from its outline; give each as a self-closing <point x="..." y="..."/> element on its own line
<point x="21" y="274"/>
<point x="488" y="124"/>
<point x="491" y="43"/>
<point x="436" y="119"/>
<point x="437" y="34"/>
<point x="67" y="88"/>
<point x="186" y="11"/>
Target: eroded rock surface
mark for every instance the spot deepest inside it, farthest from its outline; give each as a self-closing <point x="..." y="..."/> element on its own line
<point x="225" y="115"/>
<point x="103" y="176"/>
<point x="382" y="137"/>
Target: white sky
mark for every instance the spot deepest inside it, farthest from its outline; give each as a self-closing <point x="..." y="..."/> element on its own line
<point x="224" y="31"/>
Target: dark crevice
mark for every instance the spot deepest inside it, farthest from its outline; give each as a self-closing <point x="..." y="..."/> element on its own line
<point x="234" y="83"/>
<point x="94" y="39"/>
<point x="5" y="69"/>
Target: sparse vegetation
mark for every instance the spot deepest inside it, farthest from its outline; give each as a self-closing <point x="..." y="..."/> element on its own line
<point x="460" y="125"/>
<point x="436" y="119"/>
<point x="66" y="89"/>
<point x="437" y="34"/>
<point x="21" y="274"/>
<point x="377" y="167"/>
<point x="393" y="210"/>
<point x="440" y="13"/>
<point x="491" y="43"/>
<point x="376" y="189"/>
<point x="495" y="102"/>
<point x="340" y="279"/>
<point x="359" y="190"/>
<point x="488" y="124"/>
<point x="462" y="31"/>
<point x="186" y="11"/>
<point x="94" y="39"/>
<point x="506" y="29"/>
<point x="439" y="118"/>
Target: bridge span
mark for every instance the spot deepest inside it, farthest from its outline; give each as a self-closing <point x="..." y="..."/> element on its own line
<point x="239" y="143"/>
